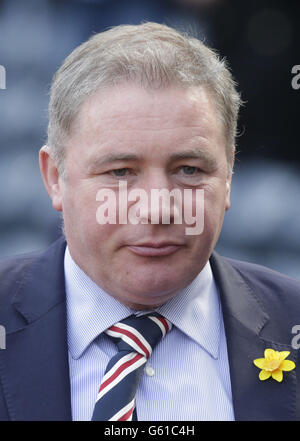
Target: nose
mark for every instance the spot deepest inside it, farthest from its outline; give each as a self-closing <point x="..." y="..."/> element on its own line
<point x="163" y="202"/>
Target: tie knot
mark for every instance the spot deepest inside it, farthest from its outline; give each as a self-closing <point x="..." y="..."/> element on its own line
<point x="140" y="334"/>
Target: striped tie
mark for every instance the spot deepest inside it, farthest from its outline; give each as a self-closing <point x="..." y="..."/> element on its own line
<point x="135" y="338"/>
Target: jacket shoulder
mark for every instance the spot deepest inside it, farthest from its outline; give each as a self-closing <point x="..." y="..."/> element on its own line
<point x="275" y="290"/>
<point x="13" y="272"/>
<point x="263" y="274"/>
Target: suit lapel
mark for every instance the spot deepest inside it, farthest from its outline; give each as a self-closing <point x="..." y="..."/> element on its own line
<point x="34" y="366"/>
<point x="245" y="323"/>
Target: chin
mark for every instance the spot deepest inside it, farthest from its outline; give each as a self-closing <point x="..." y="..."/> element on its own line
<point x="153" y="292"/>
<point x="144" y="301"/>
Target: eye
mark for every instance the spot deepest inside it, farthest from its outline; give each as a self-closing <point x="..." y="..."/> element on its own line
<point x="189" y="170"/>
<point x="120" y="172"/>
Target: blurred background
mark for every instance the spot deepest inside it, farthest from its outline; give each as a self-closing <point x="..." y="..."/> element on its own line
<point x="261" y="42"/>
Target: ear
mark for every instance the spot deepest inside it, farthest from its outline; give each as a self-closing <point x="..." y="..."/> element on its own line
<point x="228" y="188"/>
<point x="50" y="175"/>
<point x="230" y="165"/>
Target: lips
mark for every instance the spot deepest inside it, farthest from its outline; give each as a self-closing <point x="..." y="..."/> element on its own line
<point x="155" y="249"/>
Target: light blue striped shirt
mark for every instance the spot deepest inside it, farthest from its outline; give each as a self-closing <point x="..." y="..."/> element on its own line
<point x="186" y="378"/>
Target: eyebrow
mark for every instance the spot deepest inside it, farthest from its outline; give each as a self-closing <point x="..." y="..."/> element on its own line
<point x="209" y="159"/>
<point x="111" y="158"/>
<point x="195" y="153"/>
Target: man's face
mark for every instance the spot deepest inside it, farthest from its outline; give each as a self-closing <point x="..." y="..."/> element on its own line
<point x="165" y="139"/>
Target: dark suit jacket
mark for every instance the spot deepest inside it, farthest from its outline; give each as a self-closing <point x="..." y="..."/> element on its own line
<point x="260" y="307"/>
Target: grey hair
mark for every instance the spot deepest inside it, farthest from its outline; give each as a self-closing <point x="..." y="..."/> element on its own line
<point x="150" y="55"/>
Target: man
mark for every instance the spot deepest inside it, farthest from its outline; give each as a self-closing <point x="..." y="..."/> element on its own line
<point x="144" y="107"/>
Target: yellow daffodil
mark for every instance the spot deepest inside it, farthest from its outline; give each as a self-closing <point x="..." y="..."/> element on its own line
<point x="273" y="364"/>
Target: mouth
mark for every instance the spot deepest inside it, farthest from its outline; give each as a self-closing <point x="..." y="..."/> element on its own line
<point x="154" y="249"/>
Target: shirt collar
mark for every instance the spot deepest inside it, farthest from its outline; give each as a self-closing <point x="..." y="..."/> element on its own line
<point x="195" y="311"/>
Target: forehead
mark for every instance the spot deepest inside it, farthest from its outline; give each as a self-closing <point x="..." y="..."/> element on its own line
<point x="126" y="100"/>
<point x="131" y="117"/>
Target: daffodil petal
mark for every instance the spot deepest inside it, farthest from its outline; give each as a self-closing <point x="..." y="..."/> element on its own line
<point x="259" y="362"/>
<point x="287" y="365"/>
<point x="284" y="354"/>
<point x="264" y="375"/>
<point x="269" y="353"/>
<point x="277" y="375"/>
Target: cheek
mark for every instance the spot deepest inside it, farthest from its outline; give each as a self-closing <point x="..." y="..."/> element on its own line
<point x="214" y="207"/>
<point x="79" y="211"/>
